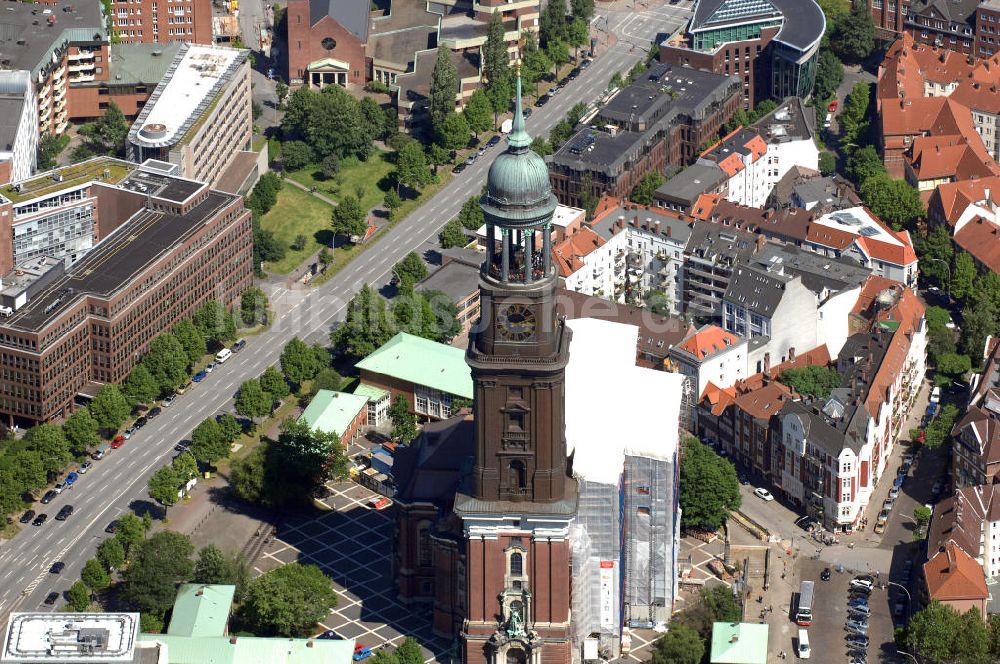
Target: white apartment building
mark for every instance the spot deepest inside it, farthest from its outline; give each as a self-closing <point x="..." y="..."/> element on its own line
<point x="18" y="126"/>
<point x="710" y="355"/>
<point x="857" y="233"/>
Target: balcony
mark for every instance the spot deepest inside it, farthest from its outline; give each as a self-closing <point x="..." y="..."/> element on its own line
<point x="84" y="55"/>
<point x="82" y="78"/>
<point x="81" y="66"/>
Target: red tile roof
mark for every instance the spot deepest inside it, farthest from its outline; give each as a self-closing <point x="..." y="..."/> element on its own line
<point x="950" y="200"/>
<point x="765" y="401"/>
<point x="873" y="285"/>
<point x="908" y="312"/>
<point x="569" y="253"/>
<point x="709" y="340"/>
<point x="908" y="64"/>
<point x="952" y="574"/>
<point x="981" y="238"/>
<point x="936" y="157"/>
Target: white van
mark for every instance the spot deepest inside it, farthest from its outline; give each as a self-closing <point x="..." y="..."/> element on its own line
<point x="223" y="355"/>
<point x="803" y="649"/>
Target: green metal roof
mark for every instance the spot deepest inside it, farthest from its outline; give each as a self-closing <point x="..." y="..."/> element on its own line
<point x="371" y="392"/>
<point x="140" y="62"/>
<point x="333" y="411"/>
<point x="422" y="362"/>
<point x="252" y="650"/>
<point x="201" y="610"/>
<point x="739" y="643"/>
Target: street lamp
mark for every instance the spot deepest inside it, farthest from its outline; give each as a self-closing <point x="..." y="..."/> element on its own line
<point x="909" y="600"/>
<point x="903" y="652"/>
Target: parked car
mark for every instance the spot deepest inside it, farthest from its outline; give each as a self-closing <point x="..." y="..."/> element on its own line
<point x="585" y="64"/>
<point x="48" y="497"/>
<point x="118" y="441"/>
<point x="894" y="492"/>
<point x="856" y="628"/>
<point x="239" y="345"/>
<point x="573" y="73"/>
<point x="935" y="395"/>
<point x="211" y="367"/>
<point x="59" y="487"/>
<point x="112" y="527"/>
<point x="526" y="113"/>
<point x="858" y="639"/>
<point x="128" y="433"/>
<point x="184" y="388"/>
<point x="888" y="503"/>
<point x="541" y="101"/>
<point x="472" y="159"/>
<point x="27" y="516"/>
<point x="330" y="634"/>
<point x="51" y="598"/>
<point x="763" y="493"/>
<point x="859" y="610"/>
<point x="169" y="401"/>
<point x="64" y="513"/>
<point x="223" y="356"/>
<point x="825" y="574"/>
<point x="379" y="502"/>
<point x="361" y="652"/>
<point x="832" y="108"/>
<point x="459" y="167"/>
<point x="40" y="519"/>
<point x="493" y="141"/>
<point x="57" y="567"/>
<point x="859" y="623"/>
<point x="153" y="413"/>
<point x="200" y="376"/>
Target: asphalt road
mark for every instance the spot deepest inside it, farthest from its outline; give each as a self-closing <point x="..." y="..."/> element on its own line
<point x="118" y="481"/>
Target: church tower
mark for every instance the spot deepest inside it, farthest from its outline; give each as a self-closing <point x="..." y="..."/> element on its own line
<point x="517" y="509"/>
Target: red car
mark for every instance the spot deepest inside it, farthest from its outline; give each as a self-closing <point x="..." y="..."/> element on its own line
<point x="117" y="442"/>
<point x="833" y="106"/>
<point x="921" y="437"/>
<point x="379" y="502"/>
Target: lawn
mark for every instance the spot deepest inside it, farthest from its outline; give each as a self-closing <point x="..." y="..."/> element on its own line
<point x="371" y="175"/>
<point x="297" y="213"/>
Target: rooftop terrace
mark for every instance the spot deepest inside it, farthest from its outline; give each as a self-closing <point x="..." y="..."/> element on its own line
<point x="99" y="169"/>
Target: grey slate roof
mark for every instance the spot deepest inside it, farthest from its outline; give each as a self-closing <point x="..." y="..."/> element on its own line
<point x="454" y="279"/>
<point x="141" y="63"/>
<point x="756" y="289"/>
<point x="679" y="229"/>
<point x="351" y="14"/>
<point x="689" y="184"/>
<point x="960" y="11"/>
<point x="27" y="41"/>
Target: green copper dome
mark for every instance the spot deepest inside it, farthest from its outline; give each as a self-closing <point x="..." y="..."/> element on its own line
<point x="518" y="178"/>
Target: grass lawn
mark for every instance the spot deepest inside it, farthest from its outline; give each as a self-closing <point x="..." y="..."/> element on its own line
<point x="371" y="175"/>
<point x="297" y="213"/>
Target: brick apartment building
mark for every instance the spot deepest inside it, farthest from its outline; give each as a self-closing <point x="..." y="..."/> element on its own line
<point x="971" y="27"/>
<point x="770" y="46"/>
<point x="179" y="244"/>
<point x="151" y="21"/>
<point x="655" y="124"/>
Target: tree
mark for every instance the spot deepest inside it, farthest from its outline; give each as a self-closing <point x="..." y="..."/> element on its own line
<point x="326" y="379"/>
<point x="953" y="366"/>
<point x="588" y="200"/>
<point x="854" y="117"/>
<point x="411" y="167"/>
<point x="453" y="132"/>
<point x="452" y="235"/>
<point x="253" y="306"/>
<point x="642" y="193"/>
<point x="936" y="250"/>
<point x="392" y="202"/>
<point x="582" y="9"/>
<point x="854" y="36"/>
<point x="535" y="64"/>
<point x="164" y="485"/>
<point x="576" y="113"/>
<point x="366" y="326"/>
<point x="552" y="23"/>
<point x="110" y="408"/>
<point x="49" y="147"/>
<point x="80" y="430"/>
<point x="50" y="444"/>
<point x="230" y="426"/>
<point x="192" y="340"/>
<point x="863" y="164"/>
<point x="412" y="268"/>
<point x="110" y="130"/>
<point x="94" y="575"/>
<point x="131" y="532"/>
<point x="578" y="35"/>
<point x="428" y="314"/>
<point x="680" y="645"/>
<point x="167" y="362"/>
<point x="330" y="166"/>
<point x="78" y="596"/>
<point x="247" y="476"/>
<point x="827" y="163"/>
<point x="408" y="652"/>
<point x="281" y="92"/>
<point x="477" y="112"/>
<point x="935" y="632"/>
<point x="893" y="201"/>
<point x="829" y="75"/>
<point x="721" y="604"/>
<point x="212" y="567"/>
<point x="186" y="468"/>
<point x="404" y="423"/>
<point x="299" y="243"/>
<point x="111" y="553"/>
<point x="299" y="362"/>
<point x="963" y="275"/>
<point x="288" y="600"/>
<point x="296" y="155"/>
<point x="212" y="319"/>
<point x="560" y="133"/>
<point x="709" y="487"/>
<point x="265" y="193"/>
<point x="349" y="218"/>
<point x="330" y="121"/>
<point x="496" y="61"/>
<point x="158" y="565"/>
<point x="308" y="456"/>
<point x="557" y="51"/>
<point x="812" y="380"/>
<point x="922" y="515"/>
<point x="252" y="401"/>
<point x="209" y="441"/>
<point x="444" y="88"/>
<point x="541" y="146"/>
<point x="977" y="324"/>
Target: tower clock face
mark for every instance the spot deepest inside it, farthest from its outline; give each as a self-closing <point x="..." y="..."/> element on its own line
<point x="515" y="322"/>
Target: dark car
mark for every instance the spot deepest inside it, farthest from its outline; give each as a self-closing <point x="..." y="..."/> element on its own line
<point x="112" y="527"/>
<point x="541" y="101"/>
<point x="57" y="567"/>
<point x="493" y="141"/>
<point x="239" y="345"/>
<point x="459" y="167"/>
<point x="330" y="634"/>
<point x="49" y="495"/>
<point x="526" y="113"/>
<point x="198" y="377"/>
<point x="28" y="516"/>
<point x="153" y="413"/>
<point x="40" y="519"/>
<point x="825" y="574"/>
<point x="51" y="598"/>
<point x="141" y="422"/>
<point x="64" y="513"/>
<point x="585" y="64"/>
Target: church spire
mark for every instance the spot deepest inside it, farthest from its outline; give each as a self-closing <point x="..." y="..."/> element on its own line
<point x="519" y="139"/>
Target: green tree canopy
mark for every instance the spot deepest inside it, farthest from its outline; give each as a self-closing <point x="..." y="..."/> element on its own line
<point x="935" y="251"/>
<point x="214" y="322"/>
<point x="253" y="306"/>
<point x="963" y="276"/>
<point x="938" y="633"/>
<point x="496" y="61"/>
<point x="296" y="155"/>
<point x="163" y="486"/>
<point x="864" y="163"/>
<point x="252" y="401"/>
<point x="299" y="361"/>
<point x="895" y="202"/>
<point x="330" y="121"/>
<point x="453" y="132"/>
<point x="131" y="532"/>
<point x="349" y="219"/>
<point x="812" y="380"/>
<point x="478" y="112"/>
<point x="452" y="235"/>
<point x="288" y="600"/>
<point x="411" y="166"/>
<point x="404" y="423"/>
<point x="326" y="379"/>
<point x="80" y="430"/>
<point x="643" y="192"/>
<point x="366" y="326"/>
<point x="158" y="565"/>
<point x="78" y="596"/>
<point x="854" y="36"/>
<point x="140" y="386"/>
<point x="410" y="270"/>
<point x="443" y="90"/>
<point x="680" y="645"/>
<point x="709" y="489"/>
<point x="167" y="362"/>
<point x="109" y="407"/>
<point x="829" y="75"/>
<point x="230" y="426"/>
<point x="209" y="442"/>
<point x="94" y="575"/>
<point x="274" y="383"/>
<point x="49" y="442"/>
<point x="111" y="553"/>
<point x="192" y="340"/>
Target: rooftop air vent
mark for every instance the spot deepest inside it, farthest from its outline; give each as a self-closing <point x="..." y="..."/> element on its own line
<point x="153" y="132"/>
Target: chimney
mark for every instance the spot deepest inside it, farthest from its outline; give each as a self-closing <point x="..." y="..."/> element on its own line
<point x="232" y="640"/>
<point x="657" y="227"/>
<point x="309" y="643"/>
<point x="635" y="221"/>
<point x="669" y="232"/>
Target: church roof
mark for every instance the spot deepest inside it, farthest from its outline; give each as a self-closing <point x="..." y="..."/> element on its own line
<point x="432" y="467"/>
<point x="422" y="362"/>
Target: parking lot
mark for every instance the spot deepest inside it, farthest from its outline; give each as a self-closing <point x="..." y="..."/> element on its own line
<point x="352" y="543"/>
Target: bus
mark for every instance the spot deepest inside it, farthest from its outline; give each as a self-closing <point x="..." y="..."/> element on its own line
<point x="803" y="612"/>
